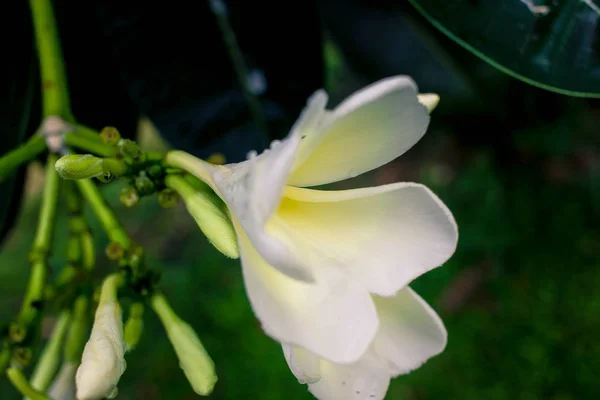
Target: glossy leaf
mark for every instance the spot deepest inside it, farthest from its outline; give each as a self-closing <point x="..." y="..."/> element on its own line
<point x="551" y="44"/>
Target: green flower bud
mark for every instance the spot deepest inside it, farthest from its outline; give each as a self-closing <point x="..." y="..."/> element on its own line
<point x="74" y="249"/>
<point x="110" y="135"/>
<point x="78" y="166"/>
<point x="88" y="251"/>
<point x="155" y="171"/>
<point x="16" y="332"/>
<point x="136" y="255"/>
<point x="77" y="331"/>
<point x="131" y="151"/>
<point x="22" y="356"/>
<point x="195" y="362"/>
<point x="134" y="326"/>
<point x="209" y="213"/>
<point x="129" y="196"/>
<point x="114" y="251"/>
<point x="144" y="185"/>
<point x="168" y="198"/>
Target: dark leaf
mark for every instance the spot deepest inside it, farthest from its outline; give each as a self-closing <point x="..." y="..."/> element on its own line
<point x="551" y="44"/>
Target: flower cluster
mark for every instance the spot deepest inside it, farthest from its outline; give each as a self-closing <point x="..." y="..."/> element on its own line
<point x="327" y="271"/>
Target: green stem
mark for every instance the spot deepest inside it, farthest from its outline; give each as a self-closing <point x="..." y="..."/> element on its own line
<point x="88" y="132"/>
<point x="4" y="358"/>
<point x="219" y="9"/>
<point x="108" y="219"/>
<point x="85" y="142"/>
<point x="26" y="152"/>
<point x="43" y="235"/>
<point x="19" y="381"/>
<point x="54" y="82"/>
<point x="50" y="358"/>
<point x="41" y="244"/>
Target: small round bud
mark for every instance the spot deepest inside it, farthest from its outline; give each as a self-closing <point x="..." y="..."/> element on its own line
<point x="136" y="255"/>
<point x="155" y="171"/>
<point x="110" y="135"/>
<point x="129" y="196"/>
<point x="144" y="185"/>
<point x="16" y="332"/>
<point x="22" y="355"/>
<point x="114" y="251"/>
<point x="168" y="198"/>
<point x="78" y="166"/>
<point x="131" y="151"/>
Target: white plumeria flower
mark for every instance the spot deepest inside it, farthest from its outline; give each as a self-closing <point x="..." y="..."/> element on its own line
<point x="63" y="387"/>
<point x="312" y="258"/>
<point x="410" y="333"/>
<point x="103" y="361"/>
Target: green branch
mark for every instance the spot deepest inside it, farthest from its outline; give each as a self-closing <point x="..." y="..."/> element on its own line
<point x="53" y="78"/>
<point x="19" y="381"/>
<point x="50" y="358"/>
<point x="82" y="139"/>
<point x="41" y="244"/>
<point x="26" y="152"/>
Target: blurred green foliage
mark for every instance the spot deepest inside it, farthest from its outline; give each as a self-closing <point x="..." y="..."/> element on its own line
<point x="520" y="297"/>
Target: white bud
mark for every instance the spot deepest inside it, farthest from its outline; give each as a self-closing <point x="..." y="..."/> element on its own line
<point x="63" y="387"/>
<point x="103" y="362"/>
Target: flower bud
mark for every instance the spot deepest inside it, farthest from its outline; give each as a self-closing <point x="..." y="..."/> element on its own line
<point x="168" y="198"/>
<point x="155" y="171"/>
<point x="110" y="135"/>
<point x="144" y="185"/>
<point x="195" y="362"/>
<point x="211" y="217"/>
<point x="134" y="326"/>
<point x="78" y="166"/>
<point x="103" y="362"/>
<point x="77" y="331"/>
<point x="63" y="387"/>
<point x="88" y="251"/>
<point x="129" y="196"/>
<point x="130" y="151"/>
<point x="114" y="251"/>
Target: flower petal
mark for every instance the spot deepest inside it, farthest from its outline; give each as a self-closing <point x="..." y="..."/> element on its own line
<point x="384" y="236"/>
<point x="365" y="379"/>
<point x="332" y="317"/>
<point x="369" y="129"/>
<point x="305" y="366"/>
<point x="252" y="191"/>
<point x="410" y="332"/>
